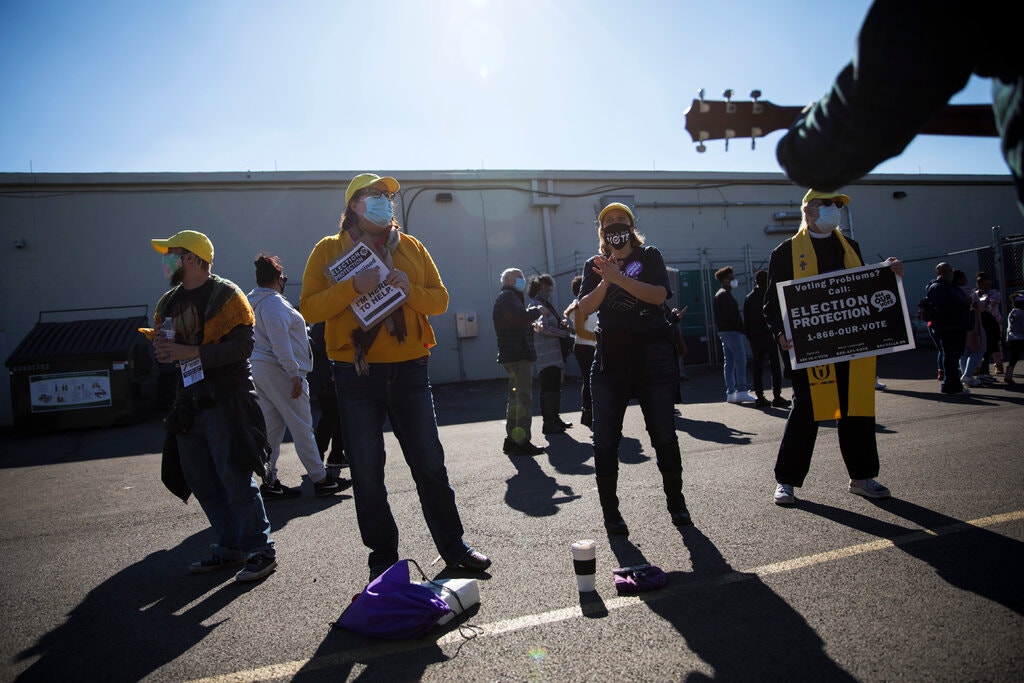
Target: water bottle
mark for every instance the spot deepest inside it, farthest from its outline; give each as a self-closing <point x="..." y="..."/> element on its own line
<point x="167" y="328"/>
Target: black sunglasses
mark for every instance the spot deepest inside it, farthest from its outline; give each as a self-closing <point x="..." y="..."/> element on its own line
<point x="830" y="202"/>
<point x="377" y="193"/>
<point x="284" y="279"/>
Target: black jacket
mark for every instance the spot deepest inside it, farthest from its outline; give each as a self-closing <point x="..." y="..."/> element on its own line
<point x="753" y="314"/>
<point x="512" y="321"/>
<point x="951" y="307"/>
<point x="727" y="312"/>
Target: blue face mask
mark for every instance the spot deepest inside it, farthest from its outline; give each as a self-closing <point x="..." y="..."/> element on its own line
<point x="379" y="210"/>
<point x="171" y="263"/>
<point x="520" y="284"/>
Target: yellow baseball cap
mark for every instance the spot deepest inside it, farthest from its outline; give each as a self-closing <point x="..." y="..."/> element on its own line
<point x="196" y="242"/>
<point x="613" y="206"/>
<point x="364" y="180"/>
<point x="815" y="194"/>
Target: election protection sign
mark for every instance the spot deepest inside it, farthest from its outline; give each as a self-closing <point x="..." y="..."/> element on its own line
<point x="845" y="314"/>
<point x="373" y="306"/>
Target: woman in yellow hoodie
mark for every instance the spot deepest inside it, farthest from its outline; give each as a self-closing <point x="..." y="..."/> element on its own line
<point x="380" y="366"/>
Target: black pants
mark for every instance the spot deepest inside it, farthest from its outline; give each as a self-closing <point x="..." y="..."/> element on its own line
<point x="585" y="358"/>
<point x="761" y="347"/>
<point x="550" y="379"/>
<point x="328" y="429"/>
<point x="856" y="434"/>
<point x="992" y="336"/>
<point x="951" y="347"/>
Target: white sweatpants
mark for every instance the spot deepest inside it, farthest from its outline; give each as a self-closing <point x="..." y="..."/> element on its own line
<point x="280" y="410"/>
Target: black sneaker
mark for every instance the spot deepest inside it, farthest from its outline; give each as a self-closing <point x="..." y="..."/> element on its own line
<point x="278" y="491"/>
<point x="509" y="446"/>
<point x="762" y="402"/>
<point x="780" y="402"/>
<point x="256" y="567"/>
<point x="331" y="485"/>
<point x="527" y="448"/>
<point x="212" y="564"/>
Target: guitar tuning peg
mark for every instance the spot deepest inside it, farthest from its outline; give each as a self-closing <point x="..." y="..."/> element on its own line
<point x="755" y="94"/>
<point x="700" y="94"/>
<point x="727" y="94"/>
<point x="727" y="144"/>
<point x="753" y="143"/>
<point x="701" y="148"/>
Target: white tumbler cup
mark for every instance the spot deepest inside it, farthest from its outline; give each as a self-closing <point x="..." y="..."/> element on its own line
<point x="584" y="560"/>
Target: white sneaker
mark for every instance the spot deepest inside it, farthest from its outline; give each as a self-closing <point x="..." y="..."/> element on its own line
<point x="869" y="488"/>
<point x="971" y="382"/>
<point x="731" y="397"/>
<point x="784" y="495"/>
<point x="744" y="397"/>
<point x="879" y="386"/>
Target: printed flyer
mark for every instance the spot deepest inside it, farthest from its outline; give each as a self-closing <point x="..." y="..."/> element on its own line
<point x="375" y="305"/>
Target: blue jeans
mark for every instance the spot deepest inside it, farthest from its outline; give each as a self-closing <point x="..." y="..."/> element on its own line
<point x="401" y="393"/>
<point x="735" y="366"/>
<point x="224" y="487"/>
<point x="970" y="360"/>
<point x="651" y="377"/>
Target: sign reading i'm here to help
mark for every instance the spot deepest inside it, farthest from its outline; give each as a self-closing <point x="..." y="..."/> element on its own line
<point x="373" y="306"/>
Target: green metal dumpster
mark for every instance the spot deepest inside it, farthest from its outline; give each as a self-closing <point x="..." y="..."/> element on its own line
<point x="83" y="373"/>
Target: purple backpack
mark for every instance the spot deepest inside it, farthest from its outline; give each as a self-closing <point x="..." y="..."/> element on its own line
<point x="393" y="607"/>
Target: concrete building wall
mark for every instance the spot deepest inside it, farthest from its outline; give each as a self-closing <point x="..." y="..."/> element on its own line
<point x="81" y="241"/>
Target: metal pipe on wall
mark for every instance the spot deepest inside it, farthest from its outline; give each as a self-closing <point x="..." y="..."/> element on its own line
<point x="545" y="213"/>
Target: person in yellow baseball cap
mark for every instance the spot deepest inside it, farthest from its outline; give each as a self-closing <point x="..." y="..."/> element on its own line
<point x="362" y="181"/>
<point x="837" y="198"/>
<point x="616" y="206"/>
<point x="217" y="435"/>
<point x="190" y="240"/>
<point x="381" y="368"/>
<point x="842" y="391"/>
<point x="627" y="285"/>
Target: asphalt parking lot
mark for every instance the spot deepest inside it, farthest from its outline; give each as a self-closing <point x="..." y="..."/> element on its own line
<point x="925" y="586"/>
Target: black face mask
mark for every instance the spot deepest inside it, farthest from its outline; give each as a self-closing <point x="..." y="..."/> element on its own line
<point x="617" y="235"/>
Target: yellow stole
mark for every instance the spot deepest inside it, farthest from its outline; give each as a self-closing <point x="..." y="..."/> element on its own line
<point x="824" y="390"/>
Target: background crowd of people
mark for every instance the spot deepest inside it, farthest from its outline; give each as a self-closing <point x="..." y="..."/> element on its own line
<point x="249" y="365"/>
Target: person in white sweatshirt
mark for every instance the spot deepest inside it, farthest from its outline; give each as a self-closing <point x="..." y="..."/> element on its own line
<point x="280" y="361"/>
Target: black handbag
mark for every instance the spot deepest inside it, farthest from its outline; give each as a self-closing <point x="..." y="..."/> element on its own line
<point x="566" y="343"/>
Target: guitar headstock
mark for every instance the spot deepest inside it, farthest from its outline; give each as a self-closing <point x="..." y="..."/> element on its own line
<point x="717" y="120"/>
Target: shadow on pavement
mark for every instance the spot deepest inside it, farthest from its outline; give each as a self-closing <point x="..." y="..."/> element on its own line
<point x="533" y="492"/>
<point x="968" y="557"/>
<point x="81" y="445"/>
<point x="735" y="623"/>
<point x="143" y="617"/>
<point x="717" y="432"/>
<point x="133" y="624"/>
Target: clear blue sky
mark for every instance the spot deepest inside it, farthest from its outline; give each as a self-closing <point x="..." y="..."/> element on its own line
<point x="212" y="85"/>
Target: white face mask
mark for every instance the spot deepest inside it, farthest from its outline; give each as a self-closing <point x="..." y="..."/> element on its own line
<point x="734" y="284"/>
<point x="828" y="218"/>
